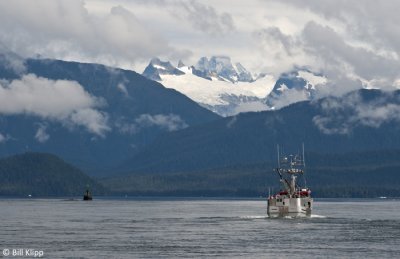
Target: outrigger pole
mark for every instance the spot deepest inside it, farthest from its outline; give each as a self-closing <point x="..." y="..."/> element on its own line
<point x="304" y="168"/>
<point x="279" y="163"/>
<point x="278" y="170"/>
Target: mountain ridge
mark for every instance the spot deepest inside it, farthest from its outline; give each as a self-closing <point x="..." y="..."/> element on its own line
<point x="106" y="114"/>
<point x="369" y="174"/>
<point x="228" y="89"/>
<point x="43" y="175"/>
<point x="252" y="137"/>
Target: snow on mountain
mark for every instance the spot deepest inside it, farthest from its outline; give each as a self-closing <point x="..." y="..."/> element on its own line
<point x="214" y="83"/>
<point x="312" y="79"/>
<point x="244" y="75"/>
<point x="221" y="67"/>
<point x="298" y="85"/>
<point x="228" y="89"/>
<point x="158" y="67"/>
<point x="222" y="97"/>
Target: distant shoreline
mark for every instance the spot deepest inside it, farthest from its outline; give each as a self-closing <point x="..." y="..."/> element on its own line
<point x="188" y="198"/>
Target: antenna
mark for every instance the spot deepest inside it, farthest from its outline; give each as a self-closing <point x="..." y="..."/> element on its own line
<point x="304" y="164"/>
<point x="279" y="163"/>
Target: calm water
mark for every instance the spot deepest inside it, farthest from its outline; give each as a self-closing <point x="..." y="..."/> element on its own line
<point x="198" y="228"/>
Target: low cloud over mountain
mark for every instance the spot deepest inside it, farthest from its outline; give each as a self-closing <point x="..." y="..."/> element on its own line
<point x="89" y="114"/>
<point x="59" y="100"/>
<point x="359" y="112"/>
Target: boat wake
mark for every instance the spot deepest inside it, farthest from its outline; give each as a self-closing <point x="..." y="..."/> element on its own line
<point x="313" y="216"/>
<point x="318" y="216"/>
<point x="254" y="217"/>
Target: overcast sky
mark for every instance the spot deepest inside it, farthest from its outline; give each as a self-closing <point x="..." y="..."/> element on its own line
<point x="352" y="42"/>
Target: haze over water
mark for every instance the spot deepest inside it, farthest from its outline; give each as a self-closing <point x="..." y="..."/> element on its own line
<point x="149" y="228"/>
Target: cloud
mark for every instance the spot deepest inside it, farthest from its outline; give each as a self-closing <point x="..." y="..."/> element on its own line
<point x="67" y="30"/>
<point x="58" y="100"/>
<point x="326" y="45"/>
<point x="337" y="56"/>
<point x="123" y="89"/>
<point x="355" y="44"/>
<point x="274" y="36"/>
<point x="231" y="122"/>
<point x="41" y="134"/>
<point x="10" y="61"/>
<point x="253" y="106"/>
<point x="125" y="127"/>
<point x="94" y="121"/>
<point x="368" y="21"/>
<point x="288" y="96"/>
<point x="204" y="17"/>
<point x="169" y="122"/>
<point x="342" y="115"/>
<point x="282" y="52"/>
<point x="3" y="138"/>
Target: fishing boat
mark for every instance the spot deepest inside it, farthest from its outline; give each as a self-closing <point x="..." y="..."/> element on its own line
<point x="292" y="199"/>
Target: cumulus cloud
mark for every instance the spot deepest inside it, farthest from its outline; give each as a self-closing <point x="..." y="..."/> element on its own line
<point x="371" y="22"/>
<point x="41" y="134"/>
<point x="66" y="29"/>
<point x="342" y="115"/>
<point x="169" y="122"/>
<point x="59" y="100"/>
<point x="282" y="52"/>
<point x="341" y="58"/>
<point x="94" y="121"/>
<point x="355" y="45"/>
<point x="323" y="50"/>
<point x="43" y="97"/>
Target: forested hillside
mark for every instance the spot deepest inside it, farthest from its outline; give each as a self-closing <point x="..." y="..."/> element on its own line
<point x="40" y="174"/>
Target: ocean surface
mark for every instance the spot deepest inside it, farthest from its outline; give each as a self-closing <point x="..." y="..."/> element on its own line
<point x="170" y="228"/>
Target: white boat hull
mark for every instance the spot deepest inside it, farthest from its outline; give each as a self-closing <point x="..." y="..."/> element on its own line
<point x="284" y="206"/>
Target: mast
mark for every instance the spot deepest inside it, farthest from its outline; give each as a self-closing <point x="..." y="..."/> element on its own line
<point x="279" y="163"/>
<point x="304" y="168"/>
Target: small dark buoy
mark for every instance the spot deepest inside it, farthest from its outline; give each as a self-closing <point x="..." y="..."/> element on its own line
<point x="87" y="196"/>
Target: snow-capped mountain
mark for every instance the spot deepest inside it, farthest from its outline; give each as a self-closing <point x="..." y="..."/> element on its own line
<point x="221" y="68"/>
<point x="93" y="116"/>
<point x="222" y="97"/>
<point x="156" y="68"/>
<point x="214" y="83"/>
<point x="228" y="89"/>
<point x="295" y="86"/>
